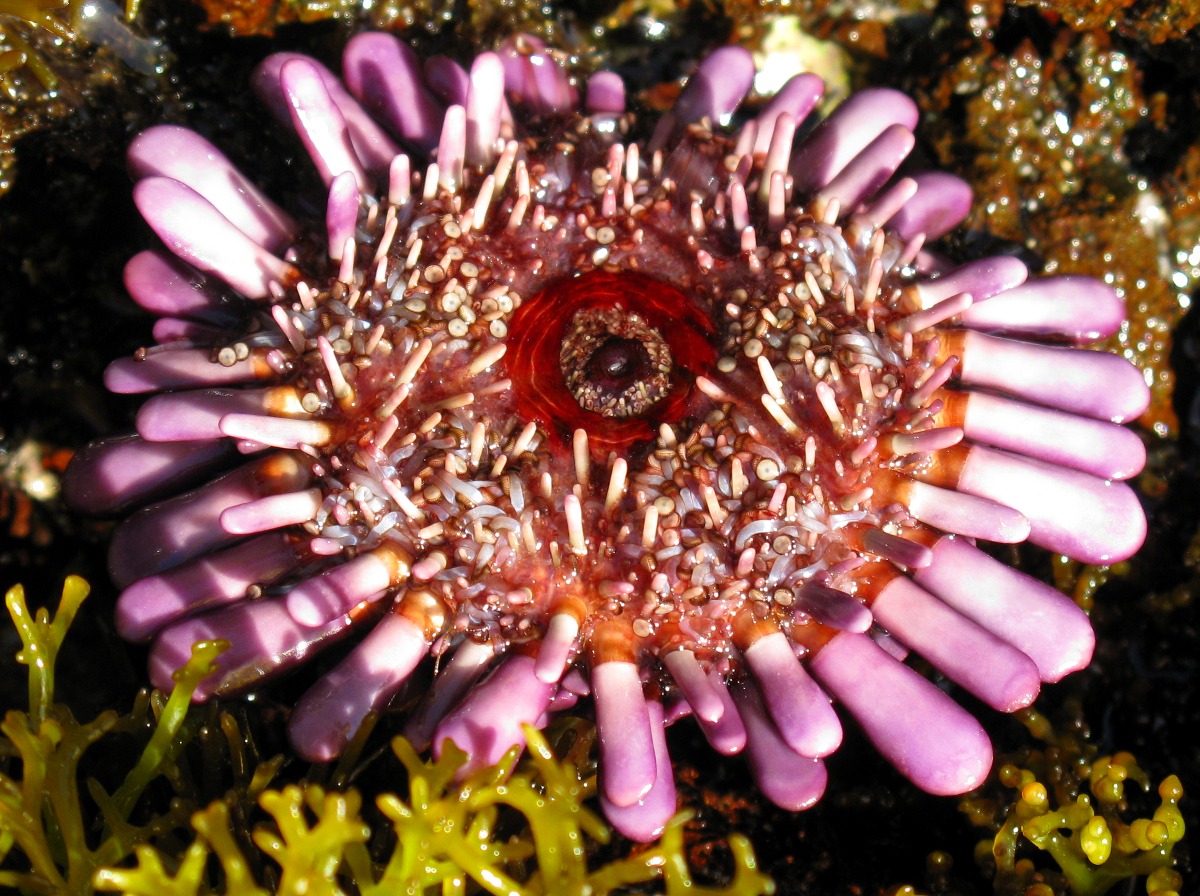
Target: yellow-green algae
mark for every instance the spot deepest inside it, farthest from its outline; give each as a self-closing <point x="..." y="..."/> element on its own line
<point x="1071" y="804"/>
<point x="60" y="56"/>
<point x="514" y="828"/>
<point x="51" y="840"/>
<point x="447" y="840"/>
<point x="17" y="19"/>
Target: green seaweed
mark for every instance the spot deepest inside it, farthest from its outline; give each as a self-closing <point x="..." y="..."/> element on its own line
<point x="1071" y="804"/>
<point x="522" y="826"/>
<point x="449" y="837"/>
<point x="17" y="51"/>
<point x="52" y="839"/>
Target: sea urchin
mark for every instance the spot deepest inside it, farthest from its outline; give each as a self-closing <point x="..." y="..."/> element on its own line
<point x="685" y="420"/>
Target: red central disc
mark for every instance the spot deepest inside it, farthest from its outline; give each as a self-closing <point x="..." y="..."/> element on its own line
<point x="543" y="324"/>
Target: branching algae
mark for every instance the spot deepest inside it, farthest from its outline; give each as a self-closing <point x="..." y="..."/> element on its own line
<point x="48" y="830"/>
<point x="513" y="828"/>
<point x="1071" y="804"/>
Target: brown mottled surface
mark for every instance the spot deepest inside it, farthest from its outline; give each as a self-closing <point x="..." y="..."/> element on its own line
<point x="1042" y="133"/>
<point x="1154" y="21"/>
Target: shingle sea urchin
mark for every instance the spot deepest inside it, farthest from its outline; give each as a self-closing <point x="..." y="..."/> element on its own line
<point x="682" y="419"/>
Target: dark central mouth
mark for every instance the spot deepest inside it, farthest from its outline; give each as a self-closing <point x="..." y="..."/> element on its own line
<point x="614" y="363"/>
<point x="615" y="354"/>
